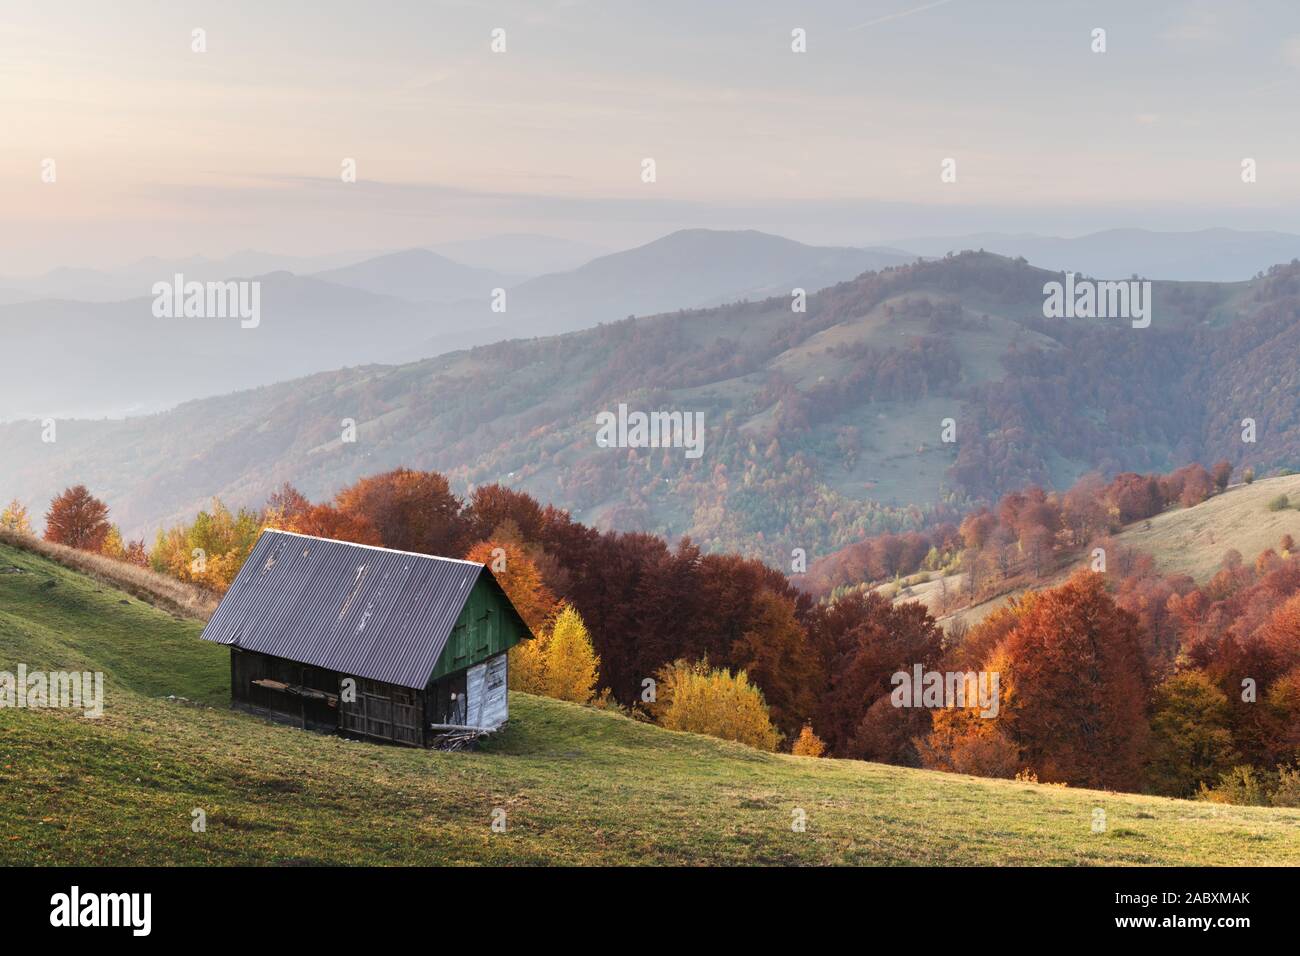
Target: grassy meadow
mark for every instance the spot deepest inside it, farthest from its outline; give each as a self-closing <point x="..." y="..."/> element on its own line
<point x="578" y="785"/>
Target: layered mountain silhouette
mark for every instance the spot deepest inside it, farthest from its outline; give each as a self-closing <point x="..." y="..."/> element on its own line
<point x="687" y="269"/>
<point x="821" y="426"/>
<point x="93" y="359"/>
<point x="419" y="275"/>
<point x="83" y="359"/>
<point x="522" y="253"/>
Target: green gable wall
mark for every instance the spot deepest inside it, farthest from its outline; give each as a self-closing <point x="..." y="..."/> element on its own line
<point x="487" y="626"/>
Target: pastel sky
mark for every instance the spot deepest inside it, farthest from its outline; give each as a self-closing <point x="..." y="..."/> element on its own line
<point x="163" y="151"/>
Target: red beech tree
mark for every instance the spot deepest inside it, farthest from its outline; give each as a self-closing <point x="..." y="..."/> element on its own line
<point x="78" y="519"/>
<point x="1080" y="711"/>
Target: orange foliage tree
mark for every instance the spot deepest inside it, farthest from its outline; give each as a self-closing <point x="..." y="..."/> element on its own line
<point x="519" y="577"/>
<point x="409" y="510"/>
<point x="326" y="521"/>
<point x="961" y="741"/>
<point x="1074" y="662"/>
<point x="78" y="519"/>
<point x="808" y="744"/>
<point x="774" y="652"/>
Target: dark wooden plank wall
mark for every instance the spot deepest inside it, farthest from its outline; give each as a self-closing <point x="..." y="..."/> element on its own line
<point x="381" y="711"/>
<point x="249" y="666"/>
<point x="386" y="712"/>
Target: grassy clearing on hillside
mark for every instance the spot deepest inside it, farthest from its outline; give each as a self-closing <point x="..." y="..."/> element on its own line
<point x="1189" y="541"/>
<point x="578" y="785"/>
<point x="1194" y="540"/>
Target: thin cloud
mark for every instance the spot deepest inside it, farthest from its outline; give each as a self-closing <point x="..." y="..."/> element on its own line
<point x="898" y="16"/>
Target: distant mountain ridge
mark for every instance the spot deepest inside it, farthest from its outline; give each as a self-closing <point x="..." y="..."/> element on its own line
<point x="1220" y="255"/>
<point x="691" y="268"/>
<point x="1211" y="255"/>
<point x="116" y="358"/>
<point x="821" y="427"/>
<point x="136" y="278"/>
<point x="523" y="254"/>
<point x="419" y="275"/>
<point x="65" y="358"/>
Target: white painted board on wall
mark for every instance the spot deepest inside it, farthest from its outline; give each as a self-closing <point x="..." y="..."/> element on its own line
<point x="485" y="686"/>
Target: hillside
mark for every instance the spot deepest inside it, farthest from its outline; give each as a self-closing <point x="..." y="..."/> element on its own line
<point x="1215" y="255"/>
<point x="1191" y="541"/>
<point x="579" y="786"/>
<point x="821" y="427"/>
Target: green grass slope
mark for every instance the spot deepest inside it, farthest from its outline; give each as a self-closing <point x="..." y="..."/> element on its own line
<point x="578" y="786"/>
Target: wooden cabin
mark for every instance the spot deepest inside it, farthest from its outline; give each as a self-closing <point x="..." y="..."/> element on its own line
<point x="368" y="642"/>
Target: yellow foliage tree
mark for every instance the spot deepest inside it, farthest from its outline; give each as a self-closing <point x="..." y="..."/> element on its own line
<point x="808" y="744"/>
<point x="113" y="547"/>
<point x="210" y="551"/>
<point x="704" y="700"/>
<point x="559" y="662"/>
<point x="570" y="663"/>
<point x="527" y="665"/>
<point x="14" y="518"/>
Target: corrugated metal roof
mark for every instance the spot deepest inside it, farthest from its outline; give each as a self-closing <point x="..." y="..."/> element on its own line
<point x="353" y="608"/>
